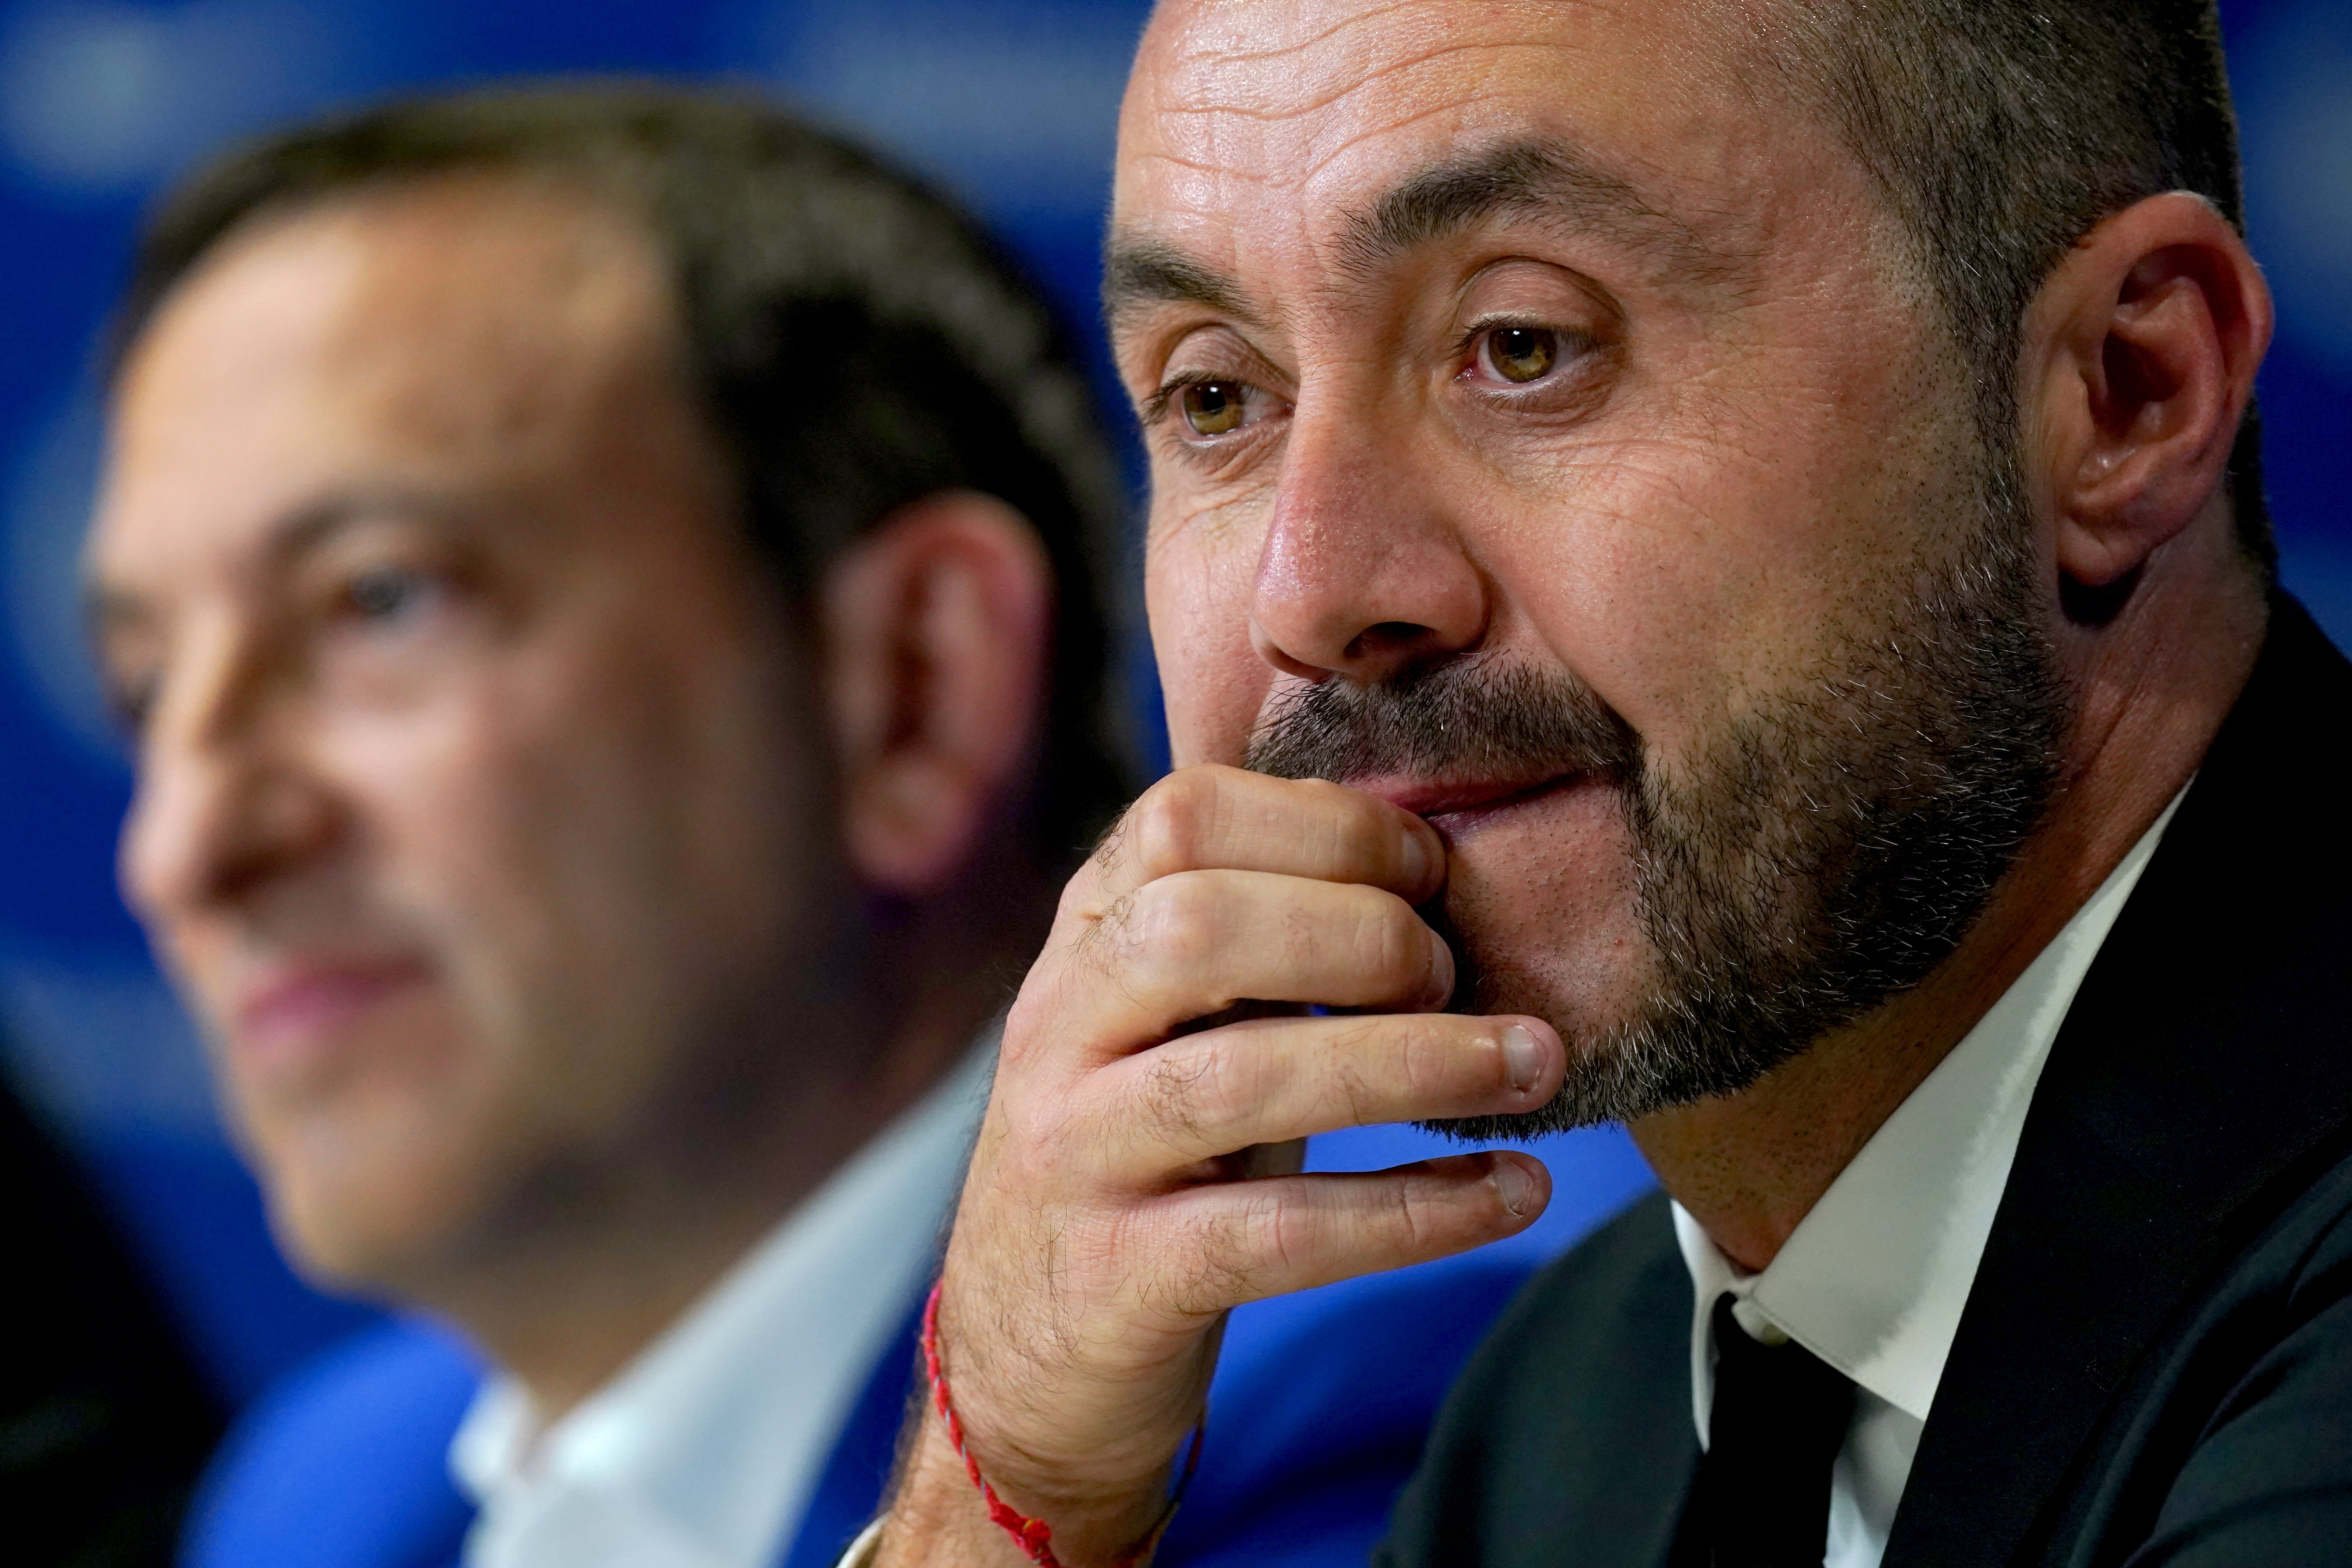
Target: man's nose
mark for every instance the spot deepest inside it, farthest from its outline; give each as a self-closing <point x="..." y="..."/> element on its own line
<point x="1361" y="575"/>
<point x="222" y="806"/>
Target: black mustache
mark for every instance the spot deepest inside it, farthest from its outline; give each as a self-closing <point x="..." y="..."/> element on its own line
<point x="1468" y="717"/>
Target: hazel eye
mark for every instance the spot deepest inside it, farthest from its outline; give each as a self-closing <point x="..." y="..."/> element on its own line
<point x="1213" y="407"/>
<point x="1520" y="354"/>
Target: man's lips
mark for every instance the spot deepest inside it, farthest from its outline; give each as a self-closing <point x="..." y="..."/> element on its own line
<point x="296" y="1005"/>
<point x="1438" y="798"/>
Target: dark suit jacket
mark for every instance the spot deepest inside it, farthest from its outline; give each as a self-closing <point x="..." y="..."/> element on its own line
<point x="2155" y="1364"/>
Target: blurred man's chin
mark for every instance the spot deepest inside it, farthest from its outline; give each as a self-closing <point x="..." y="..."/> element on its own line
<point x="358" y="1226"/>
<point x="347" y="1248"/>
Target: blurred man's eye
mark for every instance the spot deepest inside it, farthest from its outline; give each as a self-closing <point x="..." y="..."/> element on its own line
<point x="392" y="596"/>
<point x="388" y="593"/>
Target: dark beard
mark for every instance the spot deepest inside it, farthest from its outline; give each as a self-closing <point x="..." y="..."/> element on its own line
<point x="1825" y="852"/>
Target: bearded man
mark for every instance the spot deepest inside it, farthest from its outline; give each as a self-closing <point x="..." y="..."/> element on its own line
<point x="603" y="584"/>
<point x="1729" y="536"/>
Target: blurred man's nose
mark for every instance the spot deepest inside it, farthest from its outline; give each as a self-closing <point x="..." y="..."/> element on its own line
<point x="223" y="802"/>
<point x="1361" y="575"/>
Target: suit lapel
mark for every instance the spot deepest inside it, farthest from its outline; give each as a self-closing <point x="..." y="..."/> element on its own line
<point x="2199" y="1080"/>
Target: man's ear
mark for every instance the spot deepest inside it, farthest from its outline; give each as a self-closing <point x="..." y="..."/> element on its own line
<point x="936" y="627"/>
<point x="2142" y="348"/>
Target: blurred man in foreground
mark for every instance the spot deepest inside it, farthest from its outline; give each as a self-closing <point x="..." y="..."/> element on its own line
<point x="604" y="585"/>
<point x="1758" y="505"/>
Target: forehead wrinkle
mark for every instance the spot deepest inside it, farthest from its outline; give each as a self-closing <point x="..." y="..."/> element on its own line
<point x="1344" y="88"/>
<point x="1252" y="56"/>
<point x="1203" y="67"/>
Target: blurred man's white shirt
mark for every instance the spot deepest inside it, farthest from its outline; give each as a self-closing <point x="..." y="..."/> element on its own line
<point x="704" y="1451"/>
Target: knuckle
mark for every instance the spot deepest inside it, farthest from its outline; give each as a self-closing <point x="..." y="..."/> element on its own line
<point x="1172" y="826"/>
<point x="1172" y="1094"/>
<point x="1354" y="1092"/>
<point x="1027" y="1141"/>
<point x="1352" y="817"/>
<point x="1028" y="1023"/>
<point x="1408" y="1221"/>
<point x="1228" y="1081"/>
<point x="1071" y="988"/>
<point x="1112" y="847"/>
<point x="1084" y="894"/>
<point x="1078" y="894"/>
<point x="1198" y="1095"/>
<point x="1174" y="925"/>
<point x="1347" y="809"/>
<point x="1425" y="1064"/>
<point x="1095" y="944"/>
<point x="1286" y="1233"/>
<point x="1228" y="1250"/>
<point x="1274" y="1239"/>
<point x="1390" y="940"/>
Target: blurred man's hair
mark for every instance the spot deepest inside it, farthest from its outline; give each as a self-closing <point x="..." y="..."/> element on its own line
<point x="853" y="341"/>
<point x="2004" y="131"/>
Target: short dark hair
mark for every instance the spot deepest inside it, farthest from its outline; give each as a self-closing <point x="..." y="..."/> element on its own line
<point x="2004" y="131"/>
<point x="808" y="277"/>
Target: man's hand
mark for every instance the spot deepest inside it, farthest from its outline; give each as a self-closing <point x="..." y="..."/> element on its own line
<point x="1138" y="1174"/>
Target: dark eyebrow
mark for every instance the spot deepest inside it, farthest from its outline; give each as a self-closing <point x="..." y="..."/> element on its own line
<point x="1138" y="273"/>
<point x="1550" y="180"/>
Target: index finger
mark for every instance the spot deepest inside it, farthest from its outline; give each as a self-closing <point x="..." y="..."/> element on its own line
<point x="1212" y="817"/>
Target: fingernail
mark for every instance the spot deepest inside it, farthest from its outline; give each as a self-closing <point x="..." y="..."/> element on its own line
<point x="1416" y="858"/>
<point x="1441" y="971"/>
<point x="1523" y="1058"/>
<point x="1515" y="1186"/>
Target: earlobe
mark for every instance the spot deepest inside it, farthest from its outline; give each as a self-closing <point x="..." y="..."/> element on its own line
<point x="2149" y="334"/>
<point x="935" y="632"/>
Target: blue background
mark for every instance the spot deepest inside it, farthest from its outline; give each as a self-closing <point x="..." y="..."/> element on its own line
<point x="1011" y="103"/>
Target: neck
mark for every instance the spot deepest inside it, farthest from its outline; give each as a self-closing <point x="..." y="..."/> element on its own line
<point x="2152" y="686"/>
<point x="577" y="1282"/>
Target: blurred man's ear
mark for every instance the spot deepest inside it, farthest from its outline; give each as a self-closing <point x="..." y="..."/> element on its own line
<point x="2142" y="348"/>
<point x="936" y="626"/>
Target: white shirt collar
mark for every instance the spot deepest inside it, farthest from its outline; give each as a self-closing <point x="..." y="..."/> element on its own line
<point x="1874" y="1279"/>
<point x="706" y="1448"/>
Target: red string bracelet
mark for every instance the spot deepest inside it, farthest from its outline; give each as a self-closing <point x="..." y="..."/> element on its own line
<point x="1033" y="1536"/>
